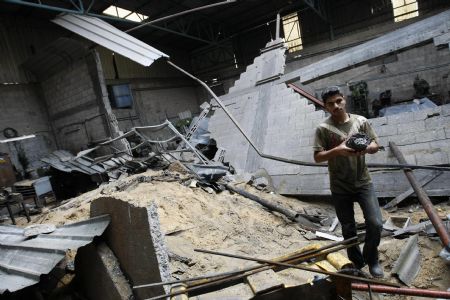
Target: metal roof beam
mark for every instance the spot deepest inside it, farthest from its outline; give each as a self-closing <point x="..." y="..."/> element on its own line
<point x="78" y="10"/>
<point x="318" y="7"/>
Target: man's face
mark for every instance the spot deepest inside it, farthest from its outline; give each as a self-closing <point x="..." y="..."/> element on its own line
<point x="335" y="105"/>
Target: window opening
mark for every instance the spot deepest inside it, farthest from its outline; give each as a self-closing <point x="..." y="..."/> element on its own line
<point x="405" y="9"/>
<point x="292" y="33"/>
<point x="120" y="96"/>
<point x="124" y="14"/>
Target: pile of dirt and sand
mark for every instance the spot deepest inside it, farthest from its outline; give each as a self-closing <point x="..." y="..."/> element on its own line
<point x="192" y="217"/>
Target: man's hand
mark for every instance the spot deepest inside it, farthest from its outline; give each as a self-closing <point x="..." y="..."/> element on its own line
<point x="372" y="148"/>
<point x="343" y="150"/>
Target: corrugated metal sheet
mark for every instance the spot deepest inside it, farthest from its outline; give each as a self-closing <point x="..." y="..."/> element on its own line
<point x="407" y="265"/>
<point x="110" y="37"/>
<point x="64" y="161"/>
<point x="24" y="259"/>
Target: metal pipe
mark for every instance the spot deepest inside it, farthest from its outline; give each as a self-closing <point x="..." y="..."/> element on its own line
<point x="44" y="6"/>
<point x="219" y="275"/>
<point x="290" y="214"/>
<point x="282" y="159"/>
<point x="400" y="291"/>
<point x="306" y="94"/>
<point x="423" y="199"/>
<point x="300" y="267"/>
<point x="255" y="269"/>
<point x="181" y="13"/>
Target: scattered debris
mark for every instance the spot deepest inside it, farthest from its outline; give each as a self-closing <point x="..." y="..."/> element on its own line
<point x="407" y="265"/>
<point x="396" y="223"/>
<point x="328" y="236"/>
<point x="24" y="259"/>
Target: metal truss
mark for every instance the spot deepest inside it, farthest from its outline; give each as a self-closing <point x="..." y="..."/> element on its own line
<point x="318" y="6"/>
<point x="200" y="29"/>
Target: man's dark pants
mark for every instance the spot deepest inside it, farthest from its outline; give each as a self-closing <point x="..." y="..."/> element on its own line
<point x="368" y="202"/>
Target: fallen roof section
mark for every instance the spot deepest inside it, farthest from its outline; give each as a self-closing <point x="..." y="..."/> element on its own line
<point x="24" y="260"/>
<point x="66" y="162"/>
<point x="102" y="33"/>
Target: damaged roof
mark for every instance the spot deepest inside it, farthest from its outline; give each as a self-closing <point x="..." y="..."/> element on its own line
<point x="108" y="36"/>
<point x="23" y="260"/>
<point x="66" y="162"/>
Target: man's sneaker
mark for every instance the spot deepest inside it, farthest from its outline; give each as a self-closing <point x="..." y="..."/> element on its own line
<point x="376" y="270"/>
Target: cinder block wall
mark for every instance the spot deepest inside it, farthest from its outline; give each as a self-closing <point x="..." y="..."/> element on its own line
<point x="286" y="128"/>
<point x="23" y="109"/>
<point x="74" y="108"/>
<point x="423" y="137"/>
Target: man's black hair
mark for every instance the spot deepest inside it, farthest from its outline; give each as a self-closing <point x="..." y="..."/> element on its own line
<point x="330" y="91"/>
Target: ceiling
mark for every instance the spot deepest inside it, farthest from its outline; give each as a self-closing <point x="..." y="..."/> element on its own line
<point x="187" y="32"/>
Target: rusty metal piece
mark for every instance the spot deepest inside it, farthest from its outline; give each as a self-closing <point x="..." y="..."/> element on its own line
<point x="306" y="95"/>
<point x="301" y="267"/>
<point x="208" y="283"/>
<point x="423" y="199"/>
<point x="400" y="291"/>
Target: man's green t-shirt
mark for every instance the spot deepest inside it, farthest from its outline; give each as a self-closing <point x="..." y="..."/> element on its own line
<point x="347" y="173"/>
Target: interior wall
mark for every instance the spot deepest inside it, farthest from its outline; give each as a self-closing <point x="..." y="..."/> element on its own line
<point x="159" y="91"/>
<point x="74" y="109"/>
<point x="397" y="73"/>
<point x="21" y="99"/>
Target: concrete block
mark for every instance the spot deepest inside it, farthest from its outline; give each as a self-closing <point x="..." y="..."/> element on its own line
<point x="438" y="157"/>
<point x="402" y="139"/>
<point x="309" y="108"/>
<point x="443" y="145"/>
<point x="378" y="121"/>
<point x="445" y="110"/>
<point x="134" y="237"/>
<point x="386" y="130"/>
<point x="415" y="148"/>
<point x="430" y="135"/>
<point x="411" y="127"/>
<point x="99" y="275"/>
<point x="435" y="123"/>
<point x="377" y="158"/>
<point x="400" y="118"/>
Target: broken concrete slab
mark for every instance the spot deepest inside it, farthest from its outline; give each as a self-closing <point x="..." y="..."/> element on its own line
<point x="135" y="238"/>
<point x="99" y="275"/>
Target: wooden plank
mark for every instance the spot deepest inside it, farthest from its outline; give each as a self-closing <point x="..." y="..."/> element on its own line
<point x="265" y="281"/>
<point x="424" y="181"/>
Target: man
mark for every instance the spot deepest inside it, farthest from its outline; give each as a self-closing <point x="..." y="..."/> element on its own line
<point x="349" y="178"/>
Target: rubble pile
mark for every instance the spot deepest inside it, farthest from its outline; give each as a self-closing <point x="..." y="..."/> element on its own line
<point x="192" y="216"/>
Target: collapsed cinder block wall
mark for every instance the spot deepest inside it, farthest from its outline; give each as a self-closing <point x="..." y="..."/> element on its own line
<point x="283" y="123"/>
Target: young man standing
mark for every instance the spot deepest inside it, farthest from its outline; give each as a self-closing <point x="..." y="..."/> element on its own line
<point x="349" y="177"/>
